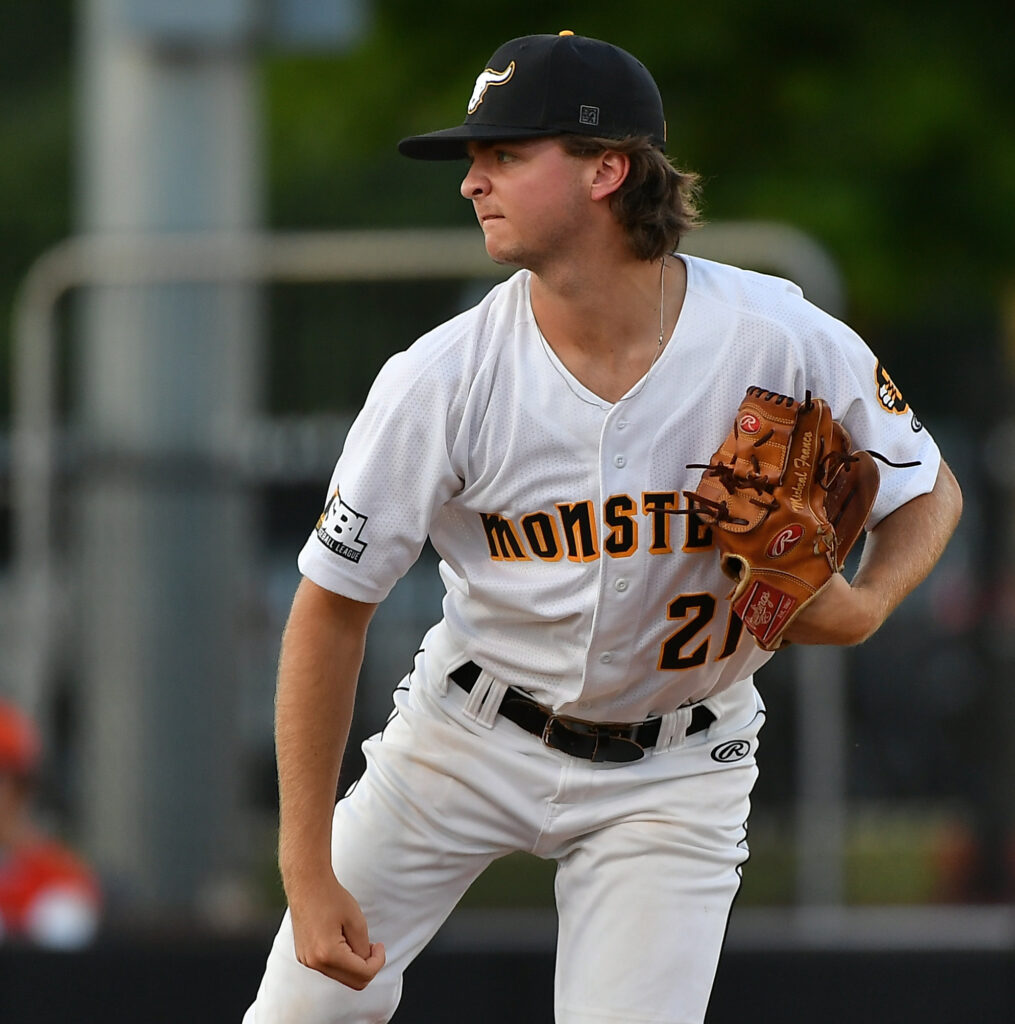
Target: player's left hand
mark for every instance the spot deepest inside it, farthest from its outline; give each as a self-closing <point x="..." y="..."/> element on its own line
<point x="840" y="615"/>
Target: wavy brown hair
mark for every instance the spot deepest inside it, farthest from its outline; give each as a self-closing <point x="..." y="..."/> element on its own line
<point x="657" y="204"/>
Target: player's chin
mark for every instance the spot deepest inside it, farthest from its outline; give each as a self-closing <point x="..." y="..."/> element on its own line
<point x="504" y="254"/>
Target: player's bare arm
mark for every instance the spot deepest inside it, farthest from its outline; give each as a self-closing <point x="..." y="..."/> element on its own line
<point x="322" y="651"/>
<point x="898" y="554"/>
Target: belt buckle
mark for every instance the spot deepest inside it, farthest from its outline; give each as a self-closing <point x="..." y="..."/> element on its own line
<point x="558" y="736"/>
<point x="548" y="730"/>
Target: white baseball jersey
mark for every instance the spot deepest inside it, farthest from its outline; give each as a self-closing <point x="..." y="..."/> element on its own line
<point x="567" y="574"/>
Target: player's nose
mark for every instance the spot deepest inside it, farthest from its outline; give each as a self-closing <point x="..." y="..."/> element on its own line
<point x="475" y="184"/>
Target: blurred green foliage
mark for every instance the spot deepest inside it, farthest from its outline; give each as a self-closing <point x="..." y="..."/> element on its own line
<point x="35" y="140"/>
<point x="884" y="129"/>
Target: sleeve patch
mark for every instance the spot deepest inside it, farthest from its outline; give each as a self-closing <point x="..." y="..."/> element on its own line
<point x="339" y="529"/>
<point x="889" y="396"/>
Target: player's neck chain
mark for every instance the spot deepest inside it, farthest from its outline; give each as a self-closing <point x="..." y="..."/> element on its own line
<point x="662" y="309"/>
<point x="660" y="341"/>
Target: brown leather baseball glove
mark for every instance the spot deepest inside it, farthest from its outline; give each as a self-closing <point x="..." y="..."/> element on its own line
<point x="787" y="497"/>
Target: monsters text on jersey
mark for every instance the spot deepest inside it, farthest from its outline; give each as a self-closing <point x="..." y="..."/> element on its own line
<point x="573" y="531"/>
<point x="339" y="529"/>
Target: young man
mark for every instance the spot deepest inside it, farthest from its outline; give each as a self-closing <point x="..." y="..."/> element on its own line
<point x="541" y="440"/>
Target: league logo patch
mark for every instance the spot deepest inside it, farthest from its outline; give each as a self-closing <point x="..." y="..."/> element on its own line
<point x="488" y="77"/>
<point x="889" y="395"/>
<point x="339" y="528"/>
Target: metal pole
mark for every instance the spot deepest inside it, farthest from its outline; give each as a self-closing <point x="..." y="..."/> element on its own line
<point x="162" y="537"/>
<point x="821" y="775"/>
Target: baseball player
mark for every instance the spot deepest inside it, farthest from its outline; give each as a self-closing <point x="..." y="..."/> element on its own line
<point x="587" y="695"/>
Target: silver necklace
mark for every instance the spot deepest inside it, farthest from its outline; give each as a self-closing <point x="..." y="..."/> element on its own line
<point x="662" y="310"/>
<point x="662" y="297"/>
<point x="662" y="327"/>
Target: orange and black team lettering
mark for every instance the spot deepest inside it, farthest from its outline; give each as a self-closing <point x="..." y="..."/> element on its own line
<point x="502" y="538"/>
<point x="572" y="529"/>
<point x="696" y="612"/>
<point x="540" y="529"/>
<point x="619" y="515"/>
<point x="660" y="505"/>
<point x="578" y="521"/>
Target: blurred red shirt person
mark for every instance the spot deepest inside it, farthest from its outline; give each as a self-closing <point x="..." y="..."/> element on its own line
<point x="48" y="897"/>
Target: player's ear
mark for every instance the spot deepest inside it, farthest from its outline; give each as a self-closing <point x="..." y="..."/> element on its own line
<point x="611" y="170"/>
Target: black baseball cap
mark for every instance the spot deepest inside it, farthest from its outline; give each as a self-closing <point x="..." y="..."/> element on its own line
<point x="544" y="85"/>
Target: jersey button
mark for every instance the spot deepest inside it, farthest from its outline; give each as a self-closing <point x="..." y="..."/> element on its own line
<point x="619" y="461"/>
<point x="622" y="425"/>
<point x="606" y="657"/>
<point x="620" y="585"/>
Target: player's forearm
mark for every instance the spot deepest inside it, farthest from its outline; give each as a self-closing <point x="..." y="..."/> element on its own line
<point x="906" y="545"/>
<point x="322" y="651"/>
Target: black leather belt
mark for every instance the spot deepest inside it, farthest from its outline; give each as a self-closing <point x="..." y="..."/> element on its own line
<point x="593" y="741"/>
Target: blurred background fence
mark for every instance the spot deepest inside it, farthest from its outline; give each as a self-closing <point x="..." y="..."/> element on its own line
<point x="211" y="251"/>
<point x="151" y="495"/>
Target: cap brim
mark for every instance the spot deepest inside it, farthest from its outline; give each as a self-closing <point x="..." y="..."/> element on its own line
<point x="449" y="143"/>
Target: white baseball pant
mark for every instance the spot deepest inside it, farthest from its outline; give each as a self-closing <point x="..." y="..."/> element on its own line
<point x="648" y="856"/>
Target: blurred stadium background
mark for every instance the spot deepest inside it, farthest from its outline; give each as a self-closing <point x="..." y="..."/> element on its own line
<point x="210" y="247"/>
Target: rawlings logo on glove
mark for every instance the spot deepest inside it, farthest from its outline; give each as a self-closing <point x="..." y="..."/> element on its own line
<point x="787" y="496"/>
<point x="784" y="540"/>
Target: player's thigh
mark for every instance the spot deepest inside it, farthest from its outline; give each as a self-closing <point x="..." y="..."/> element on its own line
<point x="393" y="850"/>
<point x="643" y="906"/>
<point x="290" y="993"/>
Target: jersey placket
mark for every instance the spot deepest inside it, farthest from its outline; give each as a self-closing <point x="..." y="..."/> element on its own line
<point x="623" y="458"/>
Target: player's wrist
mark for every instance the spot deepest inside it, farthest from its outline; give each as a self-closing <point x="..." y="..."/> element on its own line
<point x="871" y="608"/>
<point x="306" y="872"/>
